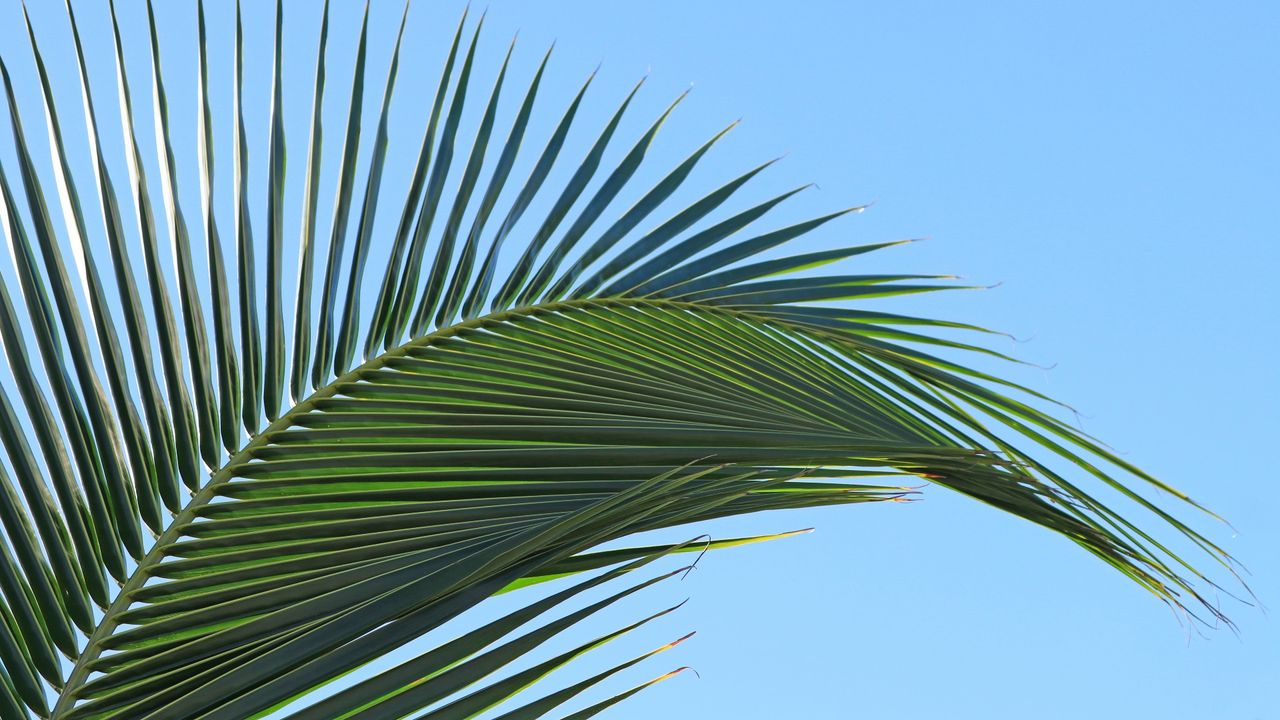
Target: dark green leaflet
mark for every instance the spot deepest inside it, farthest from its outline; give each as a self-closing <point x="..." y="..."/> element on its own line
<point x="274" y="359"/>
<point x="341" y="216"/>
<point x="250" y="335"/>
<point x="192" y="312"/>
<point x="302" y="307"/>
<point x="368" y="211"/>
<point x="219" y="295"/>
<point x="178" y="438"/>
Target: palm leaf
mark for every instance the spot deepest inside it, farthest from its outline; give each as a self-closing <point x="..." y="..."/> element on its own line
<point x="623" y="376"/>
<point x="184" y="272"/>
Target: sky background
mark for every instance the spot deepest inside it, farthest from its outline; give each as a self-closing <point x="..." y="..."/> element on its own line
<point x="1115" y="166"/>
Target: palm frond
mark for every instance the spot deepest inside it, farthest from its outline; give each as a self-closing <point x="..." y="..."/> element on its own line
<point x="625" y="375"/>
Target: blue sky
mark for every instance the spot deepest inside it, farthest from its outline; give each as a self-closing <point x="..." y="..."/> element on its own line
<point x="1115" y="167"/>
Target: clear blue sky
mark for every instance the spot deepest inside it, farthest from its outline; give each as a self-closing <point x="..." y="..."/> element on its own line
<point x="1115" y="165"/>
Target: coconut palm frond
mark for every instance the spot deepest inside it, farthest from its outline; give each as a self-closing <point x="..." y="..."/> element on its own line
<point x="286" y="493"/>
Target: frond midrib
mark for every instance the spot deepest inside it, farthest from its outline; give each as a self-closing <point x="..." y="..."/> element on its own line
<point x="220" y="476"/>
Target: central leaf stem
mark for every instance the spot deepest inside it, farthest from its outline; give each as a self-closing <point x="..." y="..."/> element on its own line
<point x="93" y="648"/>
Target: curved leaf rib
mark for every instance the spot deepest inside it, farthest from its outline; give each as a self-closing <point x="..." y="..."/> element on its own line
<point x="456" y="445"/>
<point x="625" y="379"/>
